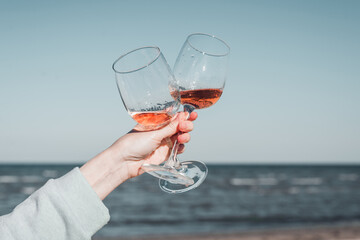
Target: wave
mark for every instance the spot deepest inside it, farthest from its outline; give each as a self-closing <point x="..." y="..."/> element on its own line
<point x="9" y="179"/>
<point x="307" y="181"/>
<point x="253" y="181"/>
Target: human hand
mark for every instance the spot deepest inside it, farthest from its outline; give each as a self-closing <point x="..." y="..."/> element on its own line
<point x="123" y="159"/>
<point x="152" y="147"/>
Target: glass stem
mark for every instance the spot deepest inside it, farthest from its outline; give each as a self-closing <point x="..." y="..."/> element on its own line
<point x="173" y="161"/>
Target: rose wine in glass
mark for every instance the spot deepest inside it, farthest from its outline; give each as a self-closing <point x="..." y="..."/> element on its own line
<point x="151" y="118"/>
<point x="200" y="72"/>
<point x="200" y="98"/>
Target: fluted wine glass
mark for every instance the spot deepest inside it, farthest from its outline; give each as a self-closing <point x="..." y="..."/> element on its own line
<point x="200" y="72"/>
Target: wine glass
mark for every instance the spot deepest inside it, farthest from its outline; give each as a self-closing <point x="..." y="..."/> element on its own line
<point x="200" y="72"/>
<point x="149" y="93"/>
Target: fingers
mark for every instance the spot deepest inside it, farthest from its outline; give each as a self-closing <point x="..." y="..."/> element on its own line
<point x="171" y="128"/>
<point x="181" y="148"/>
<point x="186" y="126"/>
<point x="193" y="116"/>
<point x="184" y="116"/>
<point x="184" y="138"/>
<point x="180" y="124"/>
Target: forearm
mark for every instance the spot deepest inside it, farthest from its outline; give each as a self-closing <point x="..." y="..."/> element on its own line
<point x="105" y="172"/>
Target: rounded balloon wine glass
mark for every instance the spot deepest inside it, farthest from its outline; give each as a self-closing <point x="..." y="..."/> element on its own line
<point x="146" y="85"/>
<point x="200" y="72"/>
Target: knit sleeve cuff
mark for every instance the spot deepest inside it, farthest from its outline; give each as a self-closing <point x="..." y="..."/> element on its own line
<point x="86" y="206"/>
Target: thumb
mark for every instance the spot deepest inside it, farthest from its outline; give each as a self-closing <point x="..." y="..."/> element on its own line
<point x="172" y="127"/>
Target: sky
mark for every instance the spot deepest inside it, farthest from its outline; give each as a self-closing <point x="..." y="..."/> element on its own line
<point x="292" y="94"/>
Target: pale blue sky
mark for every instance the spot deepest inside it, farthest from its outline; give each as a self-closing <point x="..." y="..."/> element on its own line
<point x="292" y="93"/>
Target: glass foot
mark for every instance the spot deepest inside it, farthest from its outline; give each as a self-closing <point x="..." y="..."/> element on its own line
<point x="167" y="173"/>
<point x="194" y="170"/>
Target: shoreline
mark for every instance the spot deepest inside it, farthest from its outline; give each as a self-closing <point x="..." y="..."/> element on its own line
<point x="337" y="232"/>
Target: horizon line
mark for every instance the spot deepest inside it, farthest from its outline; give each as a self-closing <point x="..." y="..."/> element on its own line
<point x="208" y="164"/>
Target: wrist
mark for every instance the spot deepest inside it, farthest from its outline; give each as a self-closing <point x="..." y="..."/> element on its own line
<point x="105" y="172"/>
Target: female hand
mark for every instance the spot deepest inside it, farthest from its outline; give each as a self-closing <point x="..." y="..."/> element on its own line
<point x="124" y="158"/>
<point x="153" y="147"/>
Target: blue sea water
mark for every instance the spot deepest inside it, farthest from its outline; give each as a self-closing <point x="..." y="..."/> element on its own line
<point x="232" y="199"/>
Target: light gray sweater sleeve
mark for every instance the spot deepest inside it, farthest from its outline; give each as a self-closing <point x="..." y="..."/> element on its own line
<point x="66" y="208"/>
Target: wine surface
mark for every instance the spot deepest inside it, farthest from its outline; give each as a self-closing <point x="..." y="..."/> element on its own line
<point x="151" y="118"/>
<point x="200" y="98"/>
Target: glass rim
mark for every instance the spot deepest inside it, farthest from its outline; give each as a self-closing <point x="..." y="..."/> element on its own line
<point x="142" y="67"/>
<point x="212" y="36"/>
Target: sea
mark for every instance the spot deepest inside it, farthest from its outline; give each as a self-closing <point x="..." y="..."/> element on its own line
<point x="233" y="198"/>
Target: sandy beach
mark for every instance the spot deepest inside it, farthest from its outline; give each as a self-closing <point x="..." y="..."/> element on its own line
<point x="350" y="232"/>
